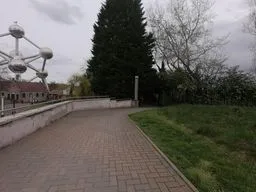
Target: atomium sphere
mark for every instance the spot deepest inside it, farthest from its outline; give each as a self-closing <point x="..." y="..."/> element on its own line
<point x="46" y="53"/>
<point x="17" y="65"/>
<point x="42" y="74"/>
<point x="16" y="31"/>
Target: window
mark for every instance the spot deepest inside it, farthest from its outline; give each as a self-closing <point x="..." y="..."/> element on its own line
<point x="3" y="94"/>
<point x="42" y="94"/>
<point x="8" y="97"/>
<point x="23" y="95"/>
<point x="37" y="94"/>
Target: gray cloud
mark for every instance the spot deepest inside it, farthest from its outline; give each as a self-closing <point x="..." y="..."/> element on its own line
<point x="59" y="11"/>
<point x="238" y="48"/>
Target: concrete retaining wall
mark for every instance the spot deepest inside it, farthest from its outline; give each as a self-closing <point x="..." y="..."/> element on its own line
<point x="91" y="104"/>
<point x="121" y="104"/>
<point x="15" y="127"/>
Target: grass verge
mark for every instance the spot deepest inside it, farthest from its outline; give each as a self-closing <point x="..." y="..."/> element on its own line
<point x="214" y="146"/>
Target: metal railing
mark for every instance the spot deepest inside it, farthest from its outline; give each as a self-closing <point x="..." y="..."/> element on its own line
<point x="11" y="111"/>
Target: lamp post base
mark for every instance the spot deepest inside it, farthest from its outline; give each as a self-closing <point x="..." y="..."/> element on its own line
<point x="135" y="103"/>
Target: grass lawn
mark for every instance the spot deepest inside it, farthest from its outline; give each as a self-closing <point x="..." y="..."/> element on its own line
<point x="214" y="146"/>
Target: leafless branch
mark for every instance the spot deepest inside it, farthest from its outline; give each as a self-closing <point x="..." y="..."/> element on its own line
<point x="183" y="35"/>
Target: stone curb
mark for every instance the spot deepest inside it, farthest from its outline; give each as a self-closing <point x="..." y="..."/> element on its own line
<point x="190" y="185"/>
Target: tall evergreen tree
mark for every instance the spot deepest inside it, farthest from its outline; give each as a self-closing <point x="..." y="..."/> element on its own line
<point x="122" y="49"/>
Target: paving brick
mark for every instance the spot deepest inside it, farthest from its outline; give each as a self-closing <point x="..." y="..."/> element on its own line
<point x="142" y="187"/>
<point x="153" y="184"/>
<point x="143" y="178"/>
<point x="122" y="186"/>
<point x="152" y="175"/>
<point x="134" y="174"/>
<point x="164" y="174"/>
<point x="124" y="177"/>
<point x="163" y="187"/>
<point x="113" y="181"/>
<point x="87" y="151"/>
<point x="133" y="182"/>
<point x="164" y="179"/>
<point x="173" y="184"/>
<point x="131" y="189"/>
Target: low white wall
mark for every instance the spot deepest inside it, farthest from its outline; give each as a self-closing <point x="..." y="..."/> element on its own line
<point x="15" y="127"/>
<point x="113" y="103"/>
<point x="122" y="104"/>
<point x="91" y="104"/>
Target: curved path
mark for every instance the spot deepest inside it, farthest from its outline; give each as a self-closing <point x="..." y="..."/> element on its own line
<point x="88" y="151"/>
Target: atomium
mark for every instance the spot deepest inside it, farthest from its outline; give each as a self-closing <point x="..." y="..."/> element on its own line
<point x="17" y="63"/>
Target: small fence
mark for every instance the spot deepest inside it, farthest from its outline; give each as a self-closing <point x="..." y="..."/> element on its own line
<point x="15" y="110"/>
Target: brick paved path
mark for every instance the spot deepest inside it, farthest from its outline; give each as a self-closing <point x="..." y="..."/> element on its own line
<point x="89" y="151"/>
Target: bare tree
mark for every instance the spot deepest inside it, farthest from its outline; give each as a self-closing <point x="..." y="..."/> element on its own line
<point x="250" y="25"/>
<point x="253" y="67"/>
<point x="184" y="37"/>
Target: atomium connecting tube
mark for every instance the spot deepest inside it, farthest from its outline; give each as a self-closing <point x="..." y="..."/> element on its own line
<point x="5" y="55"/>
<point x="2" y="63"/>
<point x="5" y="34"/>
<point x="31" y="57"/>
<point x="31" y="42"/>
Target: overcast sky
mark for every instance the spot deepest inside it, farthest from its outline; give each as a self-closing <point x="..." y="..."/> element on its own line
<point x="66" y="26"/>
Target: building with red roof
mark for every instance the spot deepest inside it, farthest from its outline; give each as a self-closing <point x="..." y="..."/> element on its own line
<point x="23" y="91"/>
